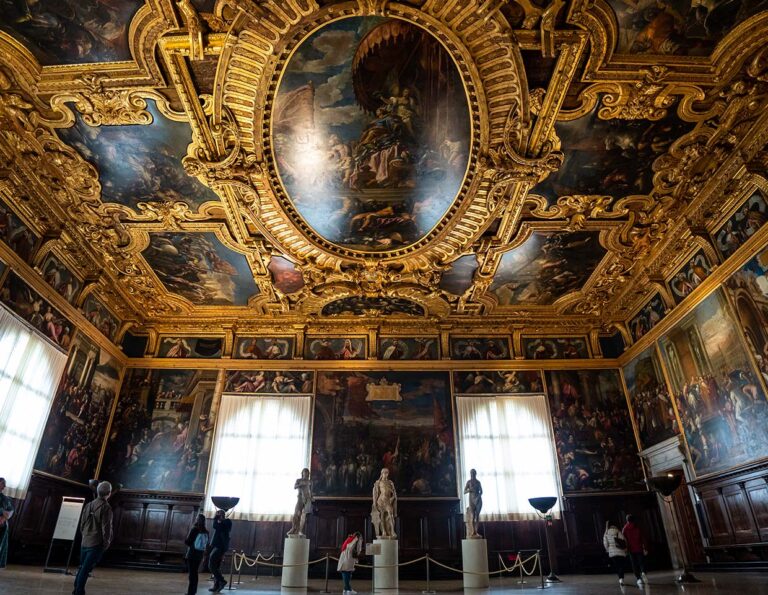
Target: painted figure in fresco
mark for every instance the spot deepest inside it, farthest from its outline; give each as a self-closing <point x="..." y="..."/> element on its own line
<point x="384" y="509"/>
<point x="179" y="348"/>
<point x="474" y="488"/>
<point x="750" y="217"/>
<point x="395" y="350"/>
<point x="303" y="504"/>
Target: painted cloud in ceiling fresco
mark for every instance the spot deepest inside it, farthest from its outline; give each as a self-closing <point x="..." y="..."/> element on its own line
<point x="681" y="27"/>
<point x="140" y="163"/>
<point x="371" y="131"/>
<point x="458" y="278"/>
<point x="70" y="31"/>
<point x="546" y="267"/>
<point x="610" y="157"/>
<point x="200" y="268"/>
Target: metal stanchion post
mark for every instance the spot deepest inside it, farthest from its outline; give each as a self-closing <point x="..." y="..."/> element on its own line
<point x="240" y="572"/>
<point x="428" y="590"/>
<point x="541" y="570"/>
<point x="522" y="580"/>
<point x="257" y="566"/>
<point x="501" y="567"/>
<point x="326" y="575"/>
<point x="232" y="570"/>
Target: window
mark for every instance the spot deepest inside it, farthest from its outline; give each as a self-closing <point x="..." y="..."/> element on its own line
<point x="30" y="369"/>
<point x="262" y="444"/>
<point x="509" y="441"/>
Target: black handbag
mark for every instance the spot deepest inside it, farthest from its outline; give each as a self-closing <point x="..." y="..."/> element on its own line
<point x="620" y="543"/>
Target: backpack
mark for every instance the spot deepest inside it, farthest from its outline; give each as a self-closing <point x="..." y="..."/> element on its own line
<point x="620" y="543"/>
<point x="201" y="542"/>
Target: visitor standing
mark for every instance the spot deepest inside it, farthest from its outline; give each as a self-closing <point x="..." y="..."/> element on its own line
<point x="197" y="542"/>
<point x="616" y="546"/>
<point x="350" y="552"/>
<point x="96" y="530"/>
<point x="222" y="526"/>
<point x="6" y="512"/>
<point x="636" y="547"/>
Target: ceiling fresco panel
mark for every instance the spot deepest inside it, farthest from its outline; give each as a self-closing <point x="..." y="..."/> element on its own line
<point x="547" y="266"/>
<point x="71" y="31"/>
<point x="610" y="157"/>
<point x="678" y="27"/>
<point x="285" y="276"/>
<point x="371" y="132"/>
<point x="458" y="278"/>
<point x="140" y="163"/>
<point x="199" y="267"/>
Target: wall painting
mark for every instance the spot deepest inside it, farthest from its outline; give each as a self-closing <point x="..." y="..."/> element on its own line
<point x="409" y="348"/>
<point x="648" y="317"/>
<point x="742" y="225"/>
<point x="342" y="348"/>
<point x="98" y="315"/>
<point x="264" y="348"/>
<point x="501" y="382"/>
<point x="269" y="382"/>
<point x="555" y="348"/>
<point x="59" y="277"/>
<point x="358" y="305"/>
<point x="17" y="236"/>
<point x="689" y="277"/>
<point x="480" y="348"/>
<point x="202" y="347"/>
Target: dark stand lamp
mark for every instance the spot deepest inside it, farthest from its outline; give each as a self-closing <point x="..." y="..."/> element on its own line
<point x="665" y="485"/>
<point x="543" y="507"/>
<point x="225" y="503"/>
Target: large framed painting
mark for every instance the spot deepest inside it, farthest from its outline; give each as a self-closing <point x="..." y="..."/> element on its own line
<point x="648" y="317"/>
<point x="100" y="317"/>
<point x="649" y="397"/>
<point x="409" y="348"/>
<point x="275" y="347"/>
<point x="342" y="348"/>
<point x="17" y="235"/>
<point x="555" y="348"/>
<point x="721" y="402"/>
<point x="742" y="225"/>
<point x="596" y="447"/>
<point x="490" y="348"/>
<point x="162" y="432"/>
<point x="499" y="382"/>
<point x="365" y="421"/>
<point x="266" y="382"/>
<point x="689" y="277"/>
<point x="200" y="347"/>
<point x="58" y="276"/>
<point x="77" y="424"/>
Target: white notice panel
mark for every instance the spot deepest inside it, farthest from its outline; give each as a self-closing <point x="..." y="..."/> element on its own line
<point x="69" y="518"/>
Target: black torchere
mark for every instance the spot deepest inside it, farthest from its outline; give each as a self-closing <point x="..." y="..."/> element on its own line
<point x="544" y="507"/>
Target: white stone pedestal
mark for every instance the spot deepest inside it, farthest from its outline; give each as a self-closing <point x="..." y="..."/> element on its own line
<point x="474" y="556"/>
<point x="385" y="565"/>
<point x="296" y="551"/>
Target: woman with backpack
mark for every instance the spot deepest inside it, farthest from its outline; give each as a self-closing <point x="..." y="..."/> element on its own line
<point x="196" y="542"/>
<point x="350" y="552"/>
<point x="616" y="546"/>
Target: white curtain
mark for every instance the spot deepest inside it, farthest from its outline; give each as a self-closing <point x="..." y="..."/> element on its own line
<point x="30" y="369"/>
<point x="509" y="441"/>
<point x="262" y="444"/>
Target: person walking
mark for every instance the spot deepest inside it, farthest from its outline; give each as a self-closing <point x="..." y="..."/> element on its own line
<point x="219" y="546"/>
<point x="96" y="530"/>
<point x="636" y="547"/>
<point x="6" y="512"/>
<point x="197" y="542"/>
<point x="350" y="552"/>
<point x="616" y="547"/>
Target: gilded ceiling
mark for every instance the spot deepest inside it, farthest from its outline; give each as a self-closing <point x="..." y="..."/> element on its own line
<point x="555" y="168"/>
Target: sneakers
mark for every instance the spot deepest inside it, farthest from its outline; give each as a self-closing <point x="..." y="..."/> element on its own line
<point x="621" y="582"/>
<point x="640" y="583"/>
<point x="645" y="578"/>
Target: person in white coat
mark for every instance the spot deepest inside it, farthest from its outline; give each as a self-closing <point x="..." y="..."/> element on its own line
<point x="616" y="546"/>
<point x="350" y="552"/>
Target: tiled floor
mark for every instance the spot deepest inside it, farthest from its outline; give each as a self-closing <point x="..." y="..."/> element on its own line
<point x="17" y="580"/>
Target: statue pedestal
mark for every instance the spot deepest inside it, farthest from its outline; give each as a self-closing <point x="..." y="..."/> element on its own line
<point x="385" y="565"/>
<point x="295" y="551"/>
<point x="474" y="556"/>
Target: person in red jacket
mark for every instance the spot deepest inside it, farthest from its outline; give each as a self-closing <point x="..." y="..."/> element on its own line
<point x="636" y="548"/>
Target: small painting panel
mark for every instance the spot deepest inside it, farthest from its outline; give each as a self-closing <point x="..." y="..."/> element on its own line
<point x="678" y="27"/>
<point x="77" y="424"/>
<point x="199" y="267"/>
<point x="742" y="225"/>
<point x="409" y="348"/>
<point x="358" y="305"/>
<point x="17" y="236"/>
<point x="202" y="347"/>
<point x="366" y="421"/>
<point x="335" y="348"/>
<point x="71" y="31"/>
<point x="722" y="405"/>
<point x="648" y="317"/>
<point x="596" y="447"/>
<point x="264" y="348"/>
<point x="98" y="315"/>
<point x="458" y="278"/>
<point x="555" y="348"/>
<point x="269" y="382"/>
<point x="36" y="310"/>
<point x="689" y="277"/>
<point x="610" y="157"/>
<point x="480" y="348"/>
<point x="162" y="431"/>
<point x="59" y="277"/>
<point x="546" y="267"/>
<point x="501" y="382"/>
<point x="651" y="403"/>
<point x="140" y="163"/>
<point x="371" y="132"/>
<point x="285" y="276"/>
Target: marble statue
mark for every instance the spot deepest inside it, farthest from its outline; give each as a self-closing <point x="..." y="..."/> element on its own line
<point x="303" y="504"/>
<point x="384" y="510"/>
<point x="472" y="517"/>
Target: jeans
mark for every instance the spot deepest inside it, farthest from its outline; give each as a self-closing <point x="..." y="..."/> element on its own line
<point x="638" y="563"/>
<point x="346" y="576"/>
<point x="214" y="563"/>
<point x="193" y="567"/>
<point x="89" y="557"/>
<point x="617" y="563"/>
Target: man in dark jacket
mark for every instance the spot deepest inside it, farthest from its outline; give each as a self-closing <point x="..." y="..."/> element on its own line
<point x="96" y="529"/>
<point x="636" y="547"/>
<point x="219" y="546"/>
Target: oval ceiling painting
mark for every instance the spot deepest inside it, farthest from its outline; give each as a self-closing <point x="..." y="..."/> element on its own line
<point x="371" y="132"/>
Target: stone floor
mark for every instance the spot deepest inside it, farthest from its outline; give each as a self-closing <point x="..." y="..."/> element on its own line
<point x="16" y="580"/>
